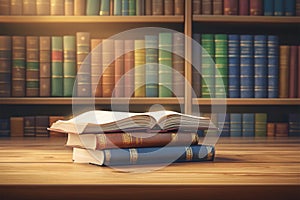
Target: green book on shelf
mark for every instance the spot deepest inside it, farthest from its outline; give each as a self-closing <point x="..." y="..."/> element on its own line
<point x="57" y="66"/>
<point x="32" y="66"/>
<point x="139" y="68"/>
<point x="132" y="7"/>
<point x="117" y="7"/>
<point x="151" y="45"/>
<point x="105" y="7"/>
<point x="69" y="68"/>
<point x="92" y="7"/>
<point x="165" y="65"/>
<point x="261" y="124"/>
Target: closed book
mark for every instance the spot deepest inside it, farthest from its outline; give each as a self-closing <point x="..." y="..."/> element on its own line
<point x="16" y="126"/>
<point x="271" y="126"/>
<point x="96" y="67"/>
<point x="260" y="67"/>
<point x="197" y="7"/>
<point x="207" y="66"/>
<point x="207" y="7"/>
<point x="4" y="7"/>
<point x="148" y="7"/>
<point x="57" y="7"/>
<point x="298" y="67"/>
<point x="256" y="7"/>
<point x="117" y="7"/>
<point x="131" y="7"/>
<point x="129" y="68"/>
<point x="18" y="66"/>
<point x="293" y="72"/>
<point x="231" y="7"/>
<point x="268" y="7"/>
<point x="125" y="7"/>
<point x="45" y="66"/>
<point x="4" y="127"/>
<point x="29" y="7"/>
<point x="104" y="8"/>
<point x="178" y="64"/>
<point x="140" y="7"/>
<point x="29" y="126"/>
<point x="290" y="8"/>
<point x="248" y="124"/>
<point x="218" y="7"/>
<point x="151" y="58"/>
<point x="235" y="124"/>
<point x="119" y="68"/>
<point x="165" y="43"/>
<point x="224" y="124"/>
<point x="140" y="156"/>
<point x="69" y="65"/>
<point x="169" y="7"/>
<point x="83" y="64"/>
<point x="43" y="7"/>
<point x="41" y="125"/>
<point x="284" y="64"/>
<point x="243" y="7"/>
<point x="108" y="75"/>
<point x="196" y="64"/>
<point x="273" y="66"/>
<point x="297" y="7"/>
<point x="16" y="7"/>
<point x="57" y="66"/>
<point x="131" y="140"/>
<point x="279" y="7"/>
<point x="260" y="124"/>
<point x="294" y="124"/>
<point x="79" y="7"/>
<point x="157" y="7"/>
<point x="69" y="7"/>
<point x="246" y="67"/>
<point x="32" y="66"/>
<point x="139" y="68"/>
<point x="53" y="119"/>
<point x="5" y="66"/>
<point x="281" y="129"/>
<point x="233" y="66"/>
<point x="92" y="7"/>
<point x="179" y="7"/>
<point x="221" y="65"/>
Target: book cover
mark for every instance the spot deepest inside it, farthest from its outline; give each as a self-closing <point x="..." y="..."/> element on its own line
<point x="157" y="7"/>
<point x="57" y="7"/>
<point x="196" y="77"/>
<point x="16" y="126"/>
<point x="53" y="119"/>
<point x="231" y="7"/>
<point x="32" y="66"/>
<point x="290" y="8"/>
<point x="256" y="7"/>
<point x="235" y="124"/>
<point x="197" y="7"/>
<point x="43" y="7"/>
<point x="271" y="126"/>
<point x="233" y="66"/>
<point x="5" y="66"/>
<point x="104" y="8"/>
<point x="248" y="124"/>
<point x="119" y="68"/>
<point x="131" y="7"/>
<point x="294" y="124"/>
<point x="139" y="68"/>
<point x="57" y="66"/>
<point x="293" y="71"/>
<point x="125" y="7"/>
<point x="69" y="7"/>
<point x="29" y="7"/>
<point x="118" y="7"/>
<point x="179" y="7"/>
<point x="218" y="7"/>
<point x="41" y="125"/>
<point x="284" y="65"/>
<point x="273" y="66"/>
<point x="282" y="129"/>
<point x="168" y="7"/>
<point x="207" y="7"/>
<point x="69" y="65"/>
<point x="279" y="9"/>
<point x="224" y="121"/>
<point x="268" y="7"/>
<point x="96" y="67"/>
<point x="92" y="7"/>
<point x="16" y="7"/>
<point x="45" y="66"/>
<point x="243" y="7"/>
<point x="79" y="7"/>
<point x="5" y="7"/>
<point x="108" y="75"/>
<point x="148" y="7"/>
<point x="260" y="124"/>
<point x="18" y="66"/>
<point x="4" y="127"/>
<point x="260" y="67"/>
<point x="29" y="126"/>
<point x="129" y="68"/>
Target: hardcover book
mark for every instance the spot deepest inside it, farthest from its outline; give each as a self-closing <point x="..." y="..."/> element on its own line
<point x="294" y="124"/>
<point x="268" y="7"/>
<point x="290" y="8"/>
<point x="298" y="84"/>
<point x="168" y="7"/>
<point x="4" y="7"/>
<point x="218" y="7"/>
<point x="92" y="7"/>
<point x="281" y="129"/>
<point x="293" y="72"/>
<point x="273" y="66"/>
<point x="284" y="71"/>
<point x="256" y="7"/>
<point x="16" y="7"/>
<point x="279" y="7"/>
<point x="119" y="68"/>
<point x="157" y="7"/>
<point x="57" y="66"/>
<point x="57" y="7"/>
<point x="271" y="129"/>
<point x="4" y="128"/>
<point x="231" y="7"/>
<point x="179" y="7"/>
<point x="260" y="124"/>
<point x="29" y="126"/>
<point x="45" y="66"/>
<point x="234" y="66"/>
<point x="96" y="67"/>
<point x="125" y="7"/>
<point x="105" y="7"/>
<point x="235" y="124"/>
<point x="207" y="7"/>
<point x="79" y="7"/>
<point x="248" y="124"/>
<point x="108" y="75"/>
<point x="16" y="126"/>
<point x="117" y="7"/>
<point x="5" y="66"/>
<point x="243" y="7"/>
<point x="41" y="125"/>
<point x="32" y="66"/>
<point x="223" y="120"/>
<point x="29" y="7"/>
<point x="260" y="67"/>
<point x="69" y="7"/>
<point x="69" y="65"/>
<point x="43" y="7"/>
<point x="148" y="7"/>
<point x="128" y="68"/>
<point x="139" y="68"/>
<point x="131" y="7"/>
<point x="197" y="7"/>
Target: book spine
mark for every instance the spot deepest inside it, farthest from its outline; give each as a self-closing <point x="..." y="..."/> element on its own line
<point x="260" y="124"/>
<point x="57" y="66"/>
<point x="5" y="66"/>
<point x="271" y="129"/>
<point x="16" y="7"/>
<point x="128" y="68"/>
<point x="119" y="68"/>
<point x="69" y="7"/>
<point x="18" y="66"/>
<point x="125" y="7"/>
<point x="246" y="69"/>
<point x="178" y="64"/>
<point x="117" y="7"/>
<point x="221" y="63"/>
<point x="281" y="129"/>
<point x="290" y="8"/>
<point x="148" y="7"/>
<point x="96" y="67"/>
<point x="231" y="7"/>
<point x="29" y="7"/>
<point x="151" y="50"/>
<point x="268" y="7"/>
<point x="224" y="123"/>
<point x="168" y="7"/>
<point x="256" y="7"/>
<point x="41" y="125"/>
<point x="179" y="7"/>
<point x="298" y="84"/>
<point x="92" y="7"/>
<point x="83" y="64"/>
<point x="243" y="7"/>
<point x="197" y="7"/>
<point x="157" y="7"/>
<point x="196" y="78"/>
<point x="105" y="8"/>
<point x="235" y="124"/>
<point x="57" y="7"/>
<point x="45" y="66"/>
<point x="207" y="7"/>
<point x="165" y="42"/>
<point x="140" y="7"/>
<point x="284" y="71"/>
<point x="53" y="119"/>
<point x="273" y="66"/>
<point x="279" y="7"/>
<point x="297" y="7"/>
<point x="293" y="72"/>
<point x="16" y="126"/>
<point x="79" y="7"/>
<point x="32" y="66"/>
<point x="218" y="7"/>
<point x="43" y="7"/>
<point x="248" y="120"/>
<point x="132" y="7"/>
<point x="69" y="65"/>
<point x="294" y="124"/>
<point x="4" y="127"/>
<point x="234" y="66"/>
<point x="108" y="75"/>
<point x="207" y="66"/>
<point x="29" y="126"/>
<point x="260" y="67"/>
<point x="4" y="7"/>
<point x="139" y="68"/>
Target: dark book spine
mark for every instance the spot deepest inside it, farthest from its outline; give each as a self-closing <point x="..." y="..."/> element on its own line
<point x="43" y="7"/>
<point x="18" y="66"/>
<point x="83" y="64"/>
<point x="16" y="126"/>
<point x="53" y="119"/>
<point x="140" y="7"/>
<point x="294" y="124"/>
<point x="284" y="71"/>
<point x="96" y="67"/>
<point x="41" y="125"/>
<point x="29" y="126"/>
<point x="256" y="7"/>
<point x="298" y="84"/>
<point x="179" y="7"/>
<point x="45" y="66"/>
<point x="4" y="128"/>
<point x="157" y="7"/>
<point x="108" y="75"/>
<point x="235" y="124"/>
<point x="125" y="7"/>
<point x="57" y="66"/>
<point x="117" y="7"/>
<point x="69" y="7"/>
<point x="92" y="7"/>
<point x="29" y="7"/>
<point x="279" y="7"/>
<point x="297" y="7"/>
<point x="207" y="7"/>
<point x="243" y="7"/>
<point x="273" y="66"/>
<point x="231" y="7"/>
<point x="196" y="61"/>
<point x="69" y="65"/>
<point x="16" y="7"/>
<point x="281" y="129"/>
<point x="139" y="68"/>
<point x="293" y="72"/>
<point x="128" y="68"/>
<point x="119" y="68"/>
<point x="57" y="7"/>
<point x="271" y="129"/>
<point x="148" y="7"/>
<point x="197" y="7"/>
<point x="260" y="124"/>
<point x="234" y="66"/>
<point x="5" y="66"/>
<point x="290" y="8"/>
<point x="248" y="124"/>
<point x="268" y="7"/>
<point x="32" y="66"/>
<point x="224" y="124"/>
<point x="218" y="7"/>
<point x="105" y="8"/>
<point x="79" y="7"/>
<point x="4" y="7"/>
<point x="247" y="68"/>
<point x="260" y="67"/>
<point x="169" y="7"/>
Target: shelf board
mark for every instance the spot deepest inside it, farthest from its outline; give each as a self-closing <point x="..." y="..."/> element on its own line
<point x="91" y="19"/>
<point x="248" y="101"/>
<point x="245" y="19"/>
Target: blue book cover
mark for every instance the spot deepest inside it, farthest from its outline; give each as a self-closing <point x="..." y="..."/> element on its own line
<point x="117" y="7"/>
<point x="4" y="128"/>
<point x="248" y="125"/>
<point x="294" y="124"/>
<point x="224" y="119"/>
<point x="92" y="7"/>
<point x="235" y="124"/>
<point x="273" y="66"/>
<point x="290" y="7"/>
<point x="268" y="7"/>
<point x="233" y="66"/>
<point x="125" y="7"/>
<point x="260" y="66"/>
<point x="246" y="66"/>
<point x="151" y="45"/>
<point x="279" y="9"/>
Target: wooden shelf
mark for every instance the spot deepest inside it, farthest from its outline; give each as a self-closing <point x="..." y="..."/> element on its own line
<point x="91" y="19"/>
<point x="248" y="101"/>
<point x="245" y="19"/>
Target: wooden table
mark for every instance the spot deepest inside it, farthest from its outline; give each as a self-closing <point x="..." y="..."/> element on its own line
<point x="244" y="168"/>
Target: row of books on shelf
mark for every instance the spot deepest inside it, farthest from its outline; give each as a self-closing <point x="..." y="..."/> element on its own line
<point x="245" y="66"/>
<point x="92" y="7"/>
<point x="247" y="7"/>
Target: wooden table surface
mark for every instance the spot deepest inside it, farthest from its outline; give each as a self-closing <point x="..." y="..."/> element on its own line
<point x="244" y="167"/>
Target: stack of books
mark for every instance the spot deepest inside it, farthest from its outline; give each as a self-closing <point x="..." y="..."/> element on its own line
<point x="123" y="138"/>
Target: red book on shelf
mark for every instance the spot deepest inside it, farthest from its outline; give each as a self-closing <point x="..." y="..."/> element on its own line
<point x="293" y="72"/>
<point x="128" y="68"/>
<point x="230" y="7"/>
<point x="119" y="68"/>
<point x="281" y="129"/>
<point x="256" y="7"/>
<point x="243" y="7"/>
<point x="271" y="129"/>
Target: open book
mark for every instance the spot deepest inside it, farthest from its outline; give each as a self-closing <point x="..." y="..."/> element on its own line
<point x="109" y="121"/>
